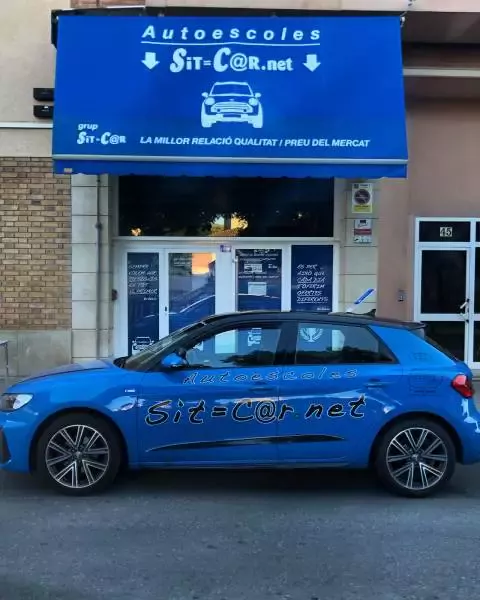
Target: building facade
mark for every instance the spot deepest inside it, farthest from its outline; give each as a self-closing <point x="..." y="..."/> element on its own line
<point x="103" y="263"/>
<point x="35" y="223"/>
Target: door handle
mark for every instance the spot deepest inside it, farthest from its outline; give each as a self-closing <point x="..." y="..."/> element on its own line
<point x="464" y="310"/>
<point x="261" y="387"/>
<point x="376" y="383"/>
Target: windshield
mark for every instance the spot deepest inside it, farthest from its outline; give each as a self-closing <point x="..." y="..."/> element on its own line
<point x="145" y="358"/>
<point x="231" y="89"/>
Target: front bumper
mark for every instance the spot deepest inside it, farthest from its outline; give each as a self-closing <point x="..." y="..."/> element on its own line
<point x="16" y="434"/>
<point x="5" y="455"/>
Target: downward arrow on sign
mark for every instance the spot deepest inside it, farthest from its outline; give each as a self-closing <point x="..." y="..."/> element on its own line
<point x="312" y="63"/>
<point x="150" y="60"/>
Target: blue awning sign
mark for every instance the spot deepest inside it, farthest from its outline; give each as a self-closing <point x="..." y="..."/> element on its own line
<point x="296" y="96"/>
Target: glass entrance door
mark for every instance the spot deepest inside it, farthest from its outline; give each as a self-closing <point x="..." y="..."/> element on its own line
<point x="444" y="300"/>
<point x="166" y="290"/>
<point x="190" y="288"/>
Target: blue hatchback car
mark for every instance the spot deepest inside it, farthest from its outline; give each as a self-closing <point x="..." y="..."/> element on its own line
<point x="253" y="389"/>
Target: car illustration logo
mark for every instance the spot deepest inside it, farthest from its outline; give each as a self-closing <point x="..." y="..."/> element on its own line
<point x="231" y="102"/>
<point x="140" y="343"/>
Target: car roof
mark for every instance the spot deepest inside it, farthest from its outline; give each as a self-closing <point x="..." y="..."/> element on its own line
<point x="334" y="318"/>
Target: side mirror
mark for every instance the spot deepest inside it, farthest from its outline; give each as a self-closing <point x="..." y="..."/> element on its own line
<point x="204" y="95"/>
<point x="258" y="95"/>
<point x="174" y="361"/>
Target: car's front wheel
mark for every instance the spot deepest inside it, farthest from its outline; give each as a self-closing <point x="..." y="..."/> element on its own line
<point x="78" y="454"/>
<point x="415" y="458"/>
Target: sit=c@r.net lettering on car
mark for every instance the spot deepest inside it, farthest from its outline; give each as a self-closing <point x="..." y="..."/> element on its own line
<point x="264" y="411"/>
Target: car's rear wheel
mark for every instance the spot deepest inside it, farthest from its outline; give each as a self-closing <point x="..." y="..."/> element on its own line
<point x="415" y="458"/>
<point x="78" y="454"/>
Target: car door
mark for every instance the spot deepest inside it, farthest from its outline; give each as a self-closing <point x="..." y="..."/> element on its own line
<point x="339" y="384"/>
<point x="219" y="408"/>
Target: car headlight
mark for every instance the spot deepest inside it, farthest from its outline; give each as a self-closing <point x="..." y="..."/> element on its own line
<point x="9" y="402"/>
<point x="253" y="102"/>
<point x="210" y="101"/>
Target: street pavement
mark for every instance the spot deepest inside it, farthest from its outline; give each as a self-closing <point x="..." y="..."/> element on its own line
<point x="240" y="536"/>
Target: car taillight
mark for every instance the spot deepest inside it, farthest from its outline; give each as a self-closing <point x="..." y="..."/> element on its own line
<point x="463" y="385"/>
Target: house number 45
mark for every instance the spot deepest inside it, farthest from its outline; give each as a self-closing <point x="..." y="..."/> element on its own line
<point x="446" y="232"/>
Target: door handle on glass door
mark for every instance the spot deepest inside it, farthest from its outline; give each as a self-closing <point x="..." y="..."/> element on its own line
<point x="464" y="309"/>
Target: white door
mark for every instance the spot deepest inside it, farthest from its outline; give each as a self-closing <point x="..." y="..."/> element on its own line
<point x="163" y="289"/>
<point x="443" y="297"/>
<point x="165" y="286"/>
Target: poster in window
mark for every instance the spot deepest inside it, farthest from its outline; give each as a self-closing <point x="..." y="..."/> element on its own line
<point x="259" y="279"/>
<point x="142" y="291"/>
<point x="312" y="278"/>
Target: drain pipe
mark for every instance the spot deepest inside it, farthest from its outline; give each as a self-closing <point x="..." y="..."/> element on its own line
<point x="98" y="267"/>
<point x="98" y="272"/>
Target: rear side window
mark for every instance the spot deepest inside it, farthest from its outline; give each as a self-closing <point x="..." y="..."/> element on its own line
<point x="440" y="348"/>
<point x="325" y="344"/>
<point x="420" y="332"/>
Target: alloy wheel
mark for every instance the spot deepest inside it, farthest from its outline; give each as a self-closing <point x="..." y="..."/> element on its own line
<point x="417" y="458"/>
<point x="77" y="456"/>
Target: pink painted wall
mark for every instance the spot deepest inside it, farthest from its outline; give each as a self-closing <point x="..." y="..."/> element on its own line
<point x="464" y="6"/>
<point x="444" y="181"/>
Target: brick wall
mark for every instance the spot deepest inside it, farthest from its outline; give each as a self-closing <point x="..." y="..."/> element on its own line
<point x="35" y="245"/>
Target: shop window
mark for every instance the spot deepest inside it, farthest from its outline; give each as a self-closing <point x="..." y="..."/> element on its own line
<point x="319" y="344"/>
<point x="234" y="207"/>
<point x="444" y="231"/>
